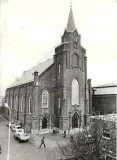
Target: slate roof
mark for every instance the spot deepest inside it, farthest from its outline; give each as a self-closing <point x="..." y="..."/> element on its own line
<point x="28" y="76"/>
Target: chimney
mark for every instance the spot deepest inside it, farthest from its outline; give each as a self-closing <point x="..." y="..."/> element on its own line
<point x="35" y="78"/>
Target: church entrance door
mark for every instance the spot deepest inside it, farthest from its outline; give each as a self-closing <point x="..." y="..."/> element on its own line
<point x="75" y="120"/>
<point x="44" y="123"/>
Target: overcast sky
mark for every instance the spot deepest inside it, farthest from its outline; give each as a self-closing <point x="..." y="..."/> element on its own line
<point x="31" y="29"/>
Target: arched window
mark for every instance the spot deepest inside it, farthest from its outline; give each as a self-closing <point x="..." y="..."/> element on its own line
<point x="59" y="102"/>
<point x="45" y="99"/>
<point x="22" y="103"/>
<point x="16" y="103"/>
<point x="75" y="92"/>
<point x="75" y="120"/>
<point x="11" y="101"/>
<point x="75" y="62"/>
<point x="75" y="37"/>
<point x="59" y="68"/>
<point x="30" y="104"/>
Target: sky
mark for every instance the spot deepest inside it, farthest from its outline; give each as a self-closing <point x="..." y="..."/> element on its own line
<point x="31" y="29"/>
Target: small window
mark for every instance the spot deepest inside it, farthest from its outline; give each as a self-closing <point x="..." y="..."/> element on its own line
<point x="106" y="134"/>
<point x="59" y="68"/>
<point x="103" y="148"/>
<point x="111" y="150"/>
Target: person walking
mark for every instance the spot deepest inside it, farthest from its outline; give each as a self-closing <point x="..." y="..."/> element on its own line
<point x="64" y="134"/>
<point x="42" y="142"/>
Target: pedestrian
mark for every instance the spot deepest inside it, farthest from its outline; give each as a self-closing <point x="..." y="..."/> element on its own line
<point x="64" y="134"/>
<point x="0" y="149"/>
<point x="42" y="142"/>
<point x="72" y="139"/>
<point x="53" y="131"/>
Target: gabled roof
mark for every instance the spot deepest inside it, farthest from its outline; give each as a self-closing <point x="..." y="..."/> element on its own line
<point x="70" y="23"/>
<point x="28" y="76"/>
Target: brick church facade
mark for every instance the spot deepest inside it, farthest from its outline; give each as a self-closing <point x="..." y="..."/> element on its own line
<point x="55" y="93"/>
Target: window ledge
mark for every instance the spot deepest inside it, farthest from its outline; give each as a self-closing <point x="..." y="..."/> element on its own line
<point x="106" y="137"/>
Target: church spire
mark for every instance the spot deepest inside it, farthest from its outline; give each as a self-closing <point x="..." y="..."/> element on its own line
<point x="70" y="23"/>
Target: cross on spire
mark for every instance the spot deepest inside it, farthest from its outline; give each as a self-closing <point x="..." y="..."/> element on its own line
<point x="70" y="4"/>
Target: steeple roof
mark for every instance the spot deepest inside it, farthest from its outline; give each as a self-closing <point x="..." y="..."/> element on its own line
<point x="70" y="23"/>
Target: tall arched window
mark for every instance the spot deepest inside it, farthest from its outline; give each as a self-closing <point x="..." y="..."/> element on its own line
<point x="45" y="99"/>
<point x="11" y="101"/>
<point x="75" y="62"/>
<point x="22" y="103"/>
<point x="59" y="68"/>
<point x="30" y="104"/>
<point x="16" y="103"/>
<point x="59" y="102"/>
<point x="75" y="92"/>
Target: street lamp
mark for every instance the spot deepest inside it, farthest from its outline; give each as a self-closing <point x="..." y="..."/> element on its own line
<point x="6" y="105"/>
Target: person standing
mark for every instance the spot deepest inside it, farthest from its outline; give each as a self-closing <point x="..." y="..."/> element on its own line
<point x="42" y="142"/>
<point x="0" y="149"/>
<point x="64" y="134"/>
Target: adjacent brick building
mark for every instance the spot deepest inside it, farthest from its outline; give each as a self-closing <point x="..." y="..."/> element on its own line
<point x="104" y="99"/>
<point x="55" y="93"/>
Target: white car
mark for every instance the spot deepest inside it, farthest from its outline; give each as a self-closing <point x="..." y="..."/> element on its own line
<point x="11" y="124"/>
<point x="22" y="136"/>
<point x="18" y="131"/>
<point x="14" y="128"/>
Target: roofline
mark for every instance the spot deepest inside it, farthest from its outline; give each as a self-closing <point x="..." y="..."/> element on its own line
<point x="108" y="86"/>
<point x="30" y="80"/>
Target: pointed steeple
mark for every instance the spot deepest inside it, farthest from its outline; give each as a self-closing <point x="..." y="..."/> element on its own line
<point x="70" y="23"/>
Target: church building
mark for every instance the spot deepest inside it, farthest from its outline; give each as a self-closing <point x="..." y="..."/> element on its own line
<point x="55" y="93"/>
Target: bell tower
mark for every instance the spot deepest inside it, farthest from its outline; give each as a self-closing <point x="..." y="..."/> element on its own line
<point x="70" y="83"/>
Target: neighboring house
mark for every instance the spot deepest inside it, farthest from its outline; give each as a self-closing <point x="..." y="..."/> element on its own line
<point x="109" y="135"/>
<point x="1" y="98"/>
<point x="104" y="99"/>
<point x="55" y="93"/>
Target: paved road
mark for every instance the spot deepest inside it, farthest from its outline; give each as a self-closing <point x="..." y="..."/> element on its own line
<point x="21" y="150"/>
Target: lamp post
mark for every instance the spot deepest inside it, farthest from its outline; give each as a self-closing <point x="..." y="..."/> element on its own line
<point x="6" y="105"/>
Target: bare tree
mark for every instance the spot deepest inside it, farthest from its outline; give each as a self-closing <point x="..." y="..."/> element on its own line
<point x="92" y="143"/>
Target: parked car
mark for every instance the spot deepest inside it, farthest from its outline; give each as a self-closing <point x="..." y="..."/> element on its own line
<point x="14" y="128"/>
<point x="18" y="131"/>
<point x="22" y="136"/>
<point x="11" y="124"/>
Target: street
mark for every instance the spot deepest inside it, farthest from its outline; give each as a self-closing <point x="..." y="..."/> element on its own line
<point x="20" y="150"/>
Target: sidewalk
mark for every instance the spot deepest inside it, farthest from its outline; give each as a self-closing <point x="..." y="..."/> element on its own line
<point x="51" y="141"/>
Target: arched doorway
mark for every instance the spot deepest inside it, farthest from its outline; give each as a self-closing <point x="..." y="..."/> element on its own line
<point x="75" y="120"/>
<point x="44" y="123"/>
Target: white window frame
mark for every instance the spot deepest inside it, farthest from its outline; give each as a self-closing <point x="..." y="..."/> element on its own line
<point x="46" y="96"/>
